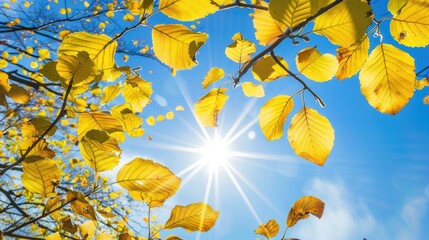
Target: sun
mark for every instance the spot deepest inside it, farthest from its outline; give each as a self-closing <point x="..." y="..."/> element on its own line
<point x="215" y="153"/>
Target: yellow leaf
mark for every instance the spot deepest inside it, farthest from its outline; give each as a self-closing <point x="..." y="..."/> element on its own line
<point x="39" y="151"/>
<point x="173" y="238"/>
<point x="292" y="12"/>
<point x="49" y="70"/>
<point x="148" y="177"/>
<point x="41" y="177"/>
<point x="193" y="217"/>
<point x="80" y="205"/>
<point x="44" y="53"/>
<point x="140" y="7"/>
<point x="51" y="204"/>
<point x="169" y="115"/>
<point x="311" y="136"/>
<point x="125" y="114"/>
<point x="302" y="208"/>
<point x="18" y="94"/>
<point x="110" y="93"/>
<point x="152" y="199"/>
<point x="208" y="107"/>
<point x="388" y="78"/>
<point x="80" y="68"/>
<point x="137" y="92"/>
<point x="99" y="47"/>
<point x="267" y="29"/>
<point x="345" y="23"/>
<point x="273" y="116"/>
<point x="103" y="236"/>
<point x="188" y="10"/>
<point x="151" y="121"/>
<point x="160" y="118"/>
<point x="266" y="69"/>
<point x="426" y="100"/>
<point x="241" y="50"/>
<point x="316" y="66"/>
<point x="394" y="6"/>
<point x="252" y="90"/>
<point x="176" y="45"/>
<point x="36" y="127"/>
<point x="100" y="151"/>
<point x="351" y="59"/>
<point x="179" y="108"/>
<point x="54" y="236"/>
<point x="4" y="83"/>
<point x="87" y="230"/>
<point x="269" y="229"/>
<point x="68" y="225"/>
<point x="411" y="26"/>
<point x="128" y="18"/>
<point x="212" y="76"/>
<point x="97" y="121"/>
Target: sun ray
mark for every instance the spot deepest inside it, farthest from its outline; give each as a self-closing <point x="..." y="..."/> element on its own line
<point x="255" y="190"/>
<point x="238" y="134"/>
<point x="240" y="119"/>
<point x="242" y="193"/>
<point x="206" y="197"/>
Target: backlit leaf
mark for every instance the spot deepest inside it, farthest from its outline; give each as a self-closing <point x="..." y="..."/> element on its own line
<point x="80" y="205"/>
<point x="316" y="66"/>
<point x="100" y="48"/>
<point x="54" y="236"/>
<point x="351" y="59"/>
<point x="98" y="121"/>
<point x="137" y="92"/>
<point x="80" y="68"/>
<point x="173" y="238"/>
<point x="18" y="94"/>
<point x="345" y="23"/>
<point x="213" y="75"/>
<point x="194" y="217"/>
<point x="176" y="45"/>
<point x="87" y="230"/>
<point x="149" y="177"/>
<point x="49" y="70"/>
<point x="252" y="90"/>
<point x="273" y="116"/>
<point x="302" y="208"/>
<point x="41" y="177"/>
<point x="394" y="6"/>
<point x="188" y="10"/>
<point x="387" y="78"/>
<point x="292" y="12"/>
<point x="100" y="151"/>
<point x="266" y="69"/>
<point x="110" y="93"/>
<point x="208" y="107"/>
<point x="269" y="229"/>
<point x="4" y="83"/>
<point x="241" y="50"/>
<point x="411" y="26"/>
<point x="37" y="127"/>
<point x="311" y="136"/>
<point x="267" y="28"/>
<point x="126" y="115"/>
<point x="39" y="151"/>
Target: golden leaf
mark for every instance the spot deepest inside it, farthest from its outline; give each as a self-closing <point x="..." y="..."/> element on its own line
<point x="292" y="12"/>
<point x="37" y="127"/>
<point x="87" y="230"/>
<point x="208" y="107"/>
<point x="137" y="92"/>
<point x="18" y="94"/>
<point x="241" y="50"/>
<point x="39" y="151"/>
<point x="148" y="177"/>
<point x="173" y="238"/>
<point x="80" y="205"/>
<point x="394" y="6"/>
<point x="273" y="116"/>
<point x="98" y="121"/>
<point x="267" y="29"/>
<point x="311" y="136"/>
<point x="345" y="23"/>
<point x="100" y="151"/>
<point x="269" y="229"/>
<point x="252" y="90"/>
<point x="4" y="83"/>
<point x="110" y="93"/>
<point x="176" y="45"/>
<point x="212" y="76"/>
<point x="128" y="118"/>
<point x="266" y="69"/>
<point x="80" y="68"/>
<point x="188" y="10"/>
<point x="316" y="66"/>
<point x="387" y="79"/>
<point x="41" y="177"/>
<point x="49" y="70"/>
<point x="54" y="236"/>
<point x="101" y="49"/>
<point x="410" y="26"/>
<point x="302" y="208"/>
<point x="351" y="59"/>
<point x="193" y="217"/>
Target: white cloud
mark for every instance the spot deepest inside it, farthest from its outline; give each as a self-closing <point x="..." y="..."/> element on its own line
<point x="161" y="101"/>
<point x="412" y="214"/>
<point x="345" y="217"/>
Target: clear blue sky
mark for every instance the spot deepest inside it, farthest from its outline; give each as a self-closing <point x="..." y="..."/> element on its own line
<point x="375" y="183"/>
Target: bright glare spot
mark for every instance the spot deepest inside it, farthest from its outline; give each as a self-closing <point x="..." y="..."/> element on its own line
<point x="215" y="154"/>
<point x="251" y="135"/>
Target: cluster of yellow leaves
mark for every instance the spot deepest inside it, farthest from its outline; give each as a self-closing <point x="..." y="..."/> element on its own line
<point x="13" y="91"/>
<point x="301" y="209"/>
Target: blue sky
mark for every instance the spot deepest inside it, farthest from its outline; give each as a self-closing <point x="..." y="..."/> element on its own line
<point x="375" y="183"/>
